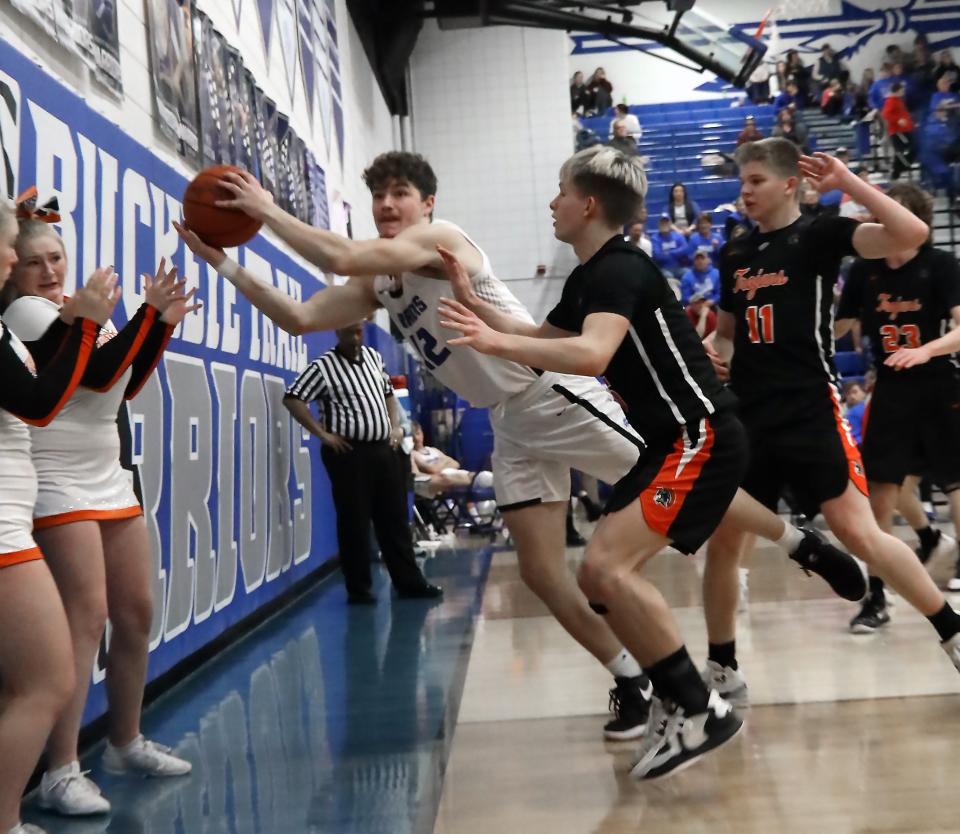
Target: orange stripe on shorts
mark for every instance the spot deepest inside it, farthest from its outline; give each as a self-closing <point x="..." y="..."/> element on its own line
<point x="854" y="461"/>
<point x="663" y="499"/>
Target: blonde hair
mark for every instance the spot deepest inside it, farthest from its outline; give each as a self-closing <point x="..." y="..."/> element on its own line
<point x="616" y="180"/>
<point x="30" y="229"/>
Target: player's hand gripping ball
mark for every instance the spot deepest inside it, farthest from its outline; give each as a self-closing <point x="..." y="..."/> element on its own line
<point x="213" y="224"/>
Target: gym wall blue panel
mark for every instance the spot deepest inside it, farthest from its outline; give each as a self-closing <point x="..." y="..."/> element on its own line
<point x="237" y="503"/>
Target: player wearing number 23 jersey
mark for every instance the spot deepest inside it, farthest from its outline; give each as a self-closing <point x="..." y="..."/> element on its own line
<point x="779" y="287"/>
<point x="914" y="417"/>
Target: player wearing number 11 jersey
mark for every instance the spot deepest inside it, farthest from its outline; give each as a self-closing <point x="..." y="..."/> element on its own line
<point x="775" y="324"/>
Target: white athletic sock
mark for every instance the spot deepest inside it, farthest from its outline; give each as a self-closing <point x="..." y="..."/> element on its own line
<point x="623" y="665"/>
<point x="790" y="540"/>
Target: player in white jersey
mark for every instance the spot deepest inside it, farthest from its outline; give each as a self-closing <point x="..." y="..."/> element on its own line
<point x="36" y="662"/>
<point x="544" y="423"/>
<point x="88" y="519"/>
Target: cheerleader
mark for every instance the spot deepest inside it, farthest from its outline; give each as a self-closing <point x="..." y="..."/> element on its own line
<point x="36" y="663"/>
<point x="88" y="519"/>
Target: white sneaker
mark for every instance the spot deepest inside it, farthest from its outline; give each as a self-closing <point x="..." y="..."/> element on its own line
<point x="952" y="648"/>
<point x="26" y="828"/>
<point x="144" y="757"/>
<point x="730" y="683"/>
<point x="67" y="791"/>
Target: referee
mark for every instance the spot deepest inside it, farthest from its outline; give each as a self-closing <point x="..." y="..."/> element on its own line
<point x="360" y="431"/>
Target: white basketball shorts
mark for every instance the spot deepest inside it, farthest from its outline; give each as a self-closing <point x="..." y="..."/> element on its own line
<point x="559" y="423"/>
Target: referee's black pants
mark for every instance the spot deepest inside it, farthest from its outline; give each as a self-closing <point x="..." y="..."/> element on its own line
<point x="368" y="485"/>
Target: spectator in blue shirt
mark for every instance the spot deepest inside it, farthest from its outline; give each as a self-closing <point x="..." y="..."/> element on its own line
<point x="880" y="88"/>
<point x="939" y="134"/>
<point x="786" y="97"/>
<point x="944" y="95"/>
<point x="706" y="239"/>
<point x="855" y="399"/>
<point x="669" y="247"/>
<point x="702" y="279"/>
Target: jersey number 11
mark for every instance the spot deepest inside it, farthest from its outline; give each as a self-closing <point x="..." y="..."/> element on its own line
<point x="760" y="323"/>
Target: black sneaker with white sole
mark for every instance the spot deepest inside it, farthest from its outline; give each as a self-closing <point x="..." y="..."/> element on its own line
<point x="840" y="570"/>
<point x="873" y="615"/>
<point x="944" y="545"/>
<point x="630" y="705"/>
<point x="686" y="738"/>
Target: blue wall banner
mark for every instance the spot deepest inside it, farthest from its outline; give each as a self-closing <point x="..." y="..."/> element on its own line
<point x="236" y="500"/>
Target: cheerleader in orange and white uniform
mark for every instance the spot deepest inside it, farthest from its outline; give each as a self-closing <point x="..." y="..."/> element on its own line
<point x="36" y="662"/>
<point x="88" y="519"/>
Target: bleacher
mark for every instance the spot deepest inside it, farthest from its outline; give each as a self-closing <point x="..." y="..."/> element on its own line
<point x="676" y="137"/>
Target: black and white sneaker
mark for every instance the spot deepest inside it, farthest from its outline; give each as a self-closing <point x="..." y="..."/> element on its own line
<point x="630" y="705"/>
<point x="873" y="615"/>
<point x="840" y="570"/>
<point x="944" y="546"/>
<point x="686" y="738"/>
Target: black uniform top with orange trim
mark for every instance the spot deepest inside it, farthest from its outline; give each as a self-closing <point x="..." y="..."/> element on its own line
<point x="779" y="286"/>
<point x="904" y="307"/>
<point x="138" y="346"/>
<point x="37" y="399"/>
<point x="660" y="370"/>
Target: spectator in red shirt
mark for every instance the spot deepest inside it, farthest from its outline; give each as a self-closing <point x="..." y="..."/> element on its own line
<point x="701" y="315"/>
<point x="900" y="127"/>
<point x="750" y="132"/>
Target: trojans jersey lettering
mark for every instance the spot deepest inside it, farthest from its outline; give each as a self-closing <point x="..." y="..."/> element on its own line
<point x="779" y="287"/>
<point x="412" y="301"/>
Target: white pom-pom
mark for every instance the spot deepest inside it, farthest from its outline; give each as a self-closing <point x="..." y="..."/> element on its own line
<point x="30" y="316"/>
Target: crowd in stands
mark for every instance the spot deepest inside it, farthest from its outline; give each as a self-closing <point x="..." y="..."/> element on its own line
<point x="913" y="95"/>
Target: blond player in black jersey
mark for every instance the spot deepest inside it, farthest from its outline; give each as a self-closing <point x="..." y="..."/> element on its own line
<point x="774" y="326"/>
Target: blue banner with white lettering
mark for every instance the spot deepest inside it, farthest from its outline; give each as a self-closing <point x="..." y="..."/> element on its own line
<point x="236" y="500"/>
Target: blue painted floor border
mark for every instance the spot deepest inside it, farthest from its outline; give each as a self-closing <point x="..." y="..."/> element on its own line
<point x="326" y="718"/>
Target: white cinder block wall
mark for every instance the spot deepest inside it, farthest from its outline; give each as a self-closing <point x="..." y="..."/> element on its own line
<point x="368" y="124"/>
<point x="491" y="113"/>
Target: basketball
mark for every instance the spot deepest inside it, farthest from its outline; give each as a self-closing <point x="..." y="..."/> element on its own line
<point x="216" y="226"/>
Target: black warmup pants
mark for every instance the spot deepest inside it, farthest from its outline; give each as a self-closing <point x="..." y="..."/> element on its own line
<point x="368" y="485"/>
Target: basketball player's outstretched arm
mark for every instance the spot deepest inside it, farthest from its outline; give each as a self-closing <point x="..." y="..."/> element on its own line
<point x="328" y="309"/>
<point x="944" y="346"/>
<point x="491" y="315"/>
<point x="587" y="353"/>
<point x="897" y="228"/>
<point x="413" y="250"/>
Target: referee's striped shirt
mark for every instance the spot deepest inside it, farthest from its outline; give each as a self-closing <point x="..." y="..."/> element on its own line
<point x="352" y="395"/>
